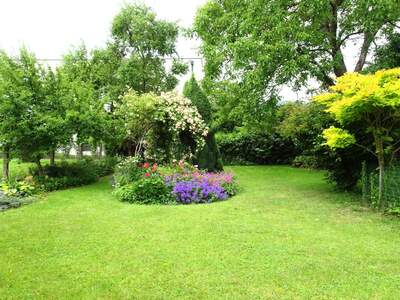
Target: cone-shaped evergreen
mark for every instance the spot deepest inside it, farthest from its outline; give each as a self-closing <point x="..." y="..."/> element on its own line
<point x="209" y="157"/>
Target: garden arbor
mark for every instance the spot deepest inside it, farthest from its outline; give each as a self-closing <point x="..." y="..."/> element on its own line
<point x="155" y="124"/>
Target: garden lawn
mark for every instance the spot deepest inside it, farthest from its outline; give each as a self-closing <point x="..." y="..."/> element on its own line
<point x="287" y="235"/>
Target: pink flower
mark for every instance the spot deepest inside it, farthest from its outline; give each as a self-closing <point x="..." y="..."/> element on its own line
<point x="146" y="165"/>
<point x="154" y="168"/>
<point x="147" y="174"/>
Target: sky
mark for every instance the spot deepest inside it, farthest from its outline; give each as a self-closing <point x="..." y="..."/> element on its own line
<point x="50" y="28"/>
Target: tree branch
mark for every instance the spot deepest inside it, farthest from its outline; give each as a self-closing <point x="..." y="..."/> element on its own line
<point x="368" y="38"/>
<point x="346" y="37"/>
<point x="367" y="149"/>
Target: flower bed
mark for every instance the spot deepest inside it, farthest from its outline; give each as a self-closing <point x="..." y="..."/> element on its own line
<point x="178" y="183"/>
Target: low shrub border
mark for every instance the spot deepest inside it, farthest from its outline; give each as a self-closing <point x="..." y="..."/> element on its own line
<point x="72" y="174"/>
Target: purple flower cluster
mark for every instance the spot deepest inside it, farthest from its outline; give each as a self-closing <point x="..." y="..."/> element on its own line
<point x="198" y="187"/>
<point x="198" y="191"/>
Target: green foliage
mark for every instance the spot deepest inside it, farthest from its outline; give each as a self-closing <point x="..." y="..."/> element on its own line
<point x="144" y="40"/>
<point x="127" y="171"/>
<point x="17" y="188"/>
<point x="85" y="114"/>
<point x="31" y="111"/>
<point x="151" y="190"/>
<point x="369" y="104"/>
<point x="303" y="123"/>
<point x="11" y="201"/>
<point x="156" y="125"/>
<point x="253" y="48"/>
<point x="208" y="158"/>
<point x="338" y="138"/>
<point x="256" y="149"/>
<point x="391" y="190"/>
<point x="306" y="161"/>
<point x="65" y="174"/>
<point x="193" y="91"/>
<point x="105" y="166"/>
<point x="386" y="56"/>
<point x="264" y="43"/>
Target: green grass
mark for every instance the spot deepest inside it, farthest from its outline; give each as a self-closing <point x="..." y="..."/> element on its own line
<point x="287" y="235"/>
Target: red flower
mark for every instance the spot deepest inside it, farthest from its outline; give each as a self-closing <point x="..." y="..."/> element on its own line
<point x="154" y="168"/>
<point x="146" y="165"/>
<point x="147" y="174"/>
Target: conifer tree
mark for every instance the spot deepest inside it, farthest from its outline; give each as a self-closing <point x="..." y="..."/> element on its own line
<point x="209" y="157"/>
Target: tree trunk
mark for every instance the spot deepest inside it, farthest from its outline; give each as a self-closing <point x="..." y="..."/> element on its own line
<point x="368" y="38"/>
<point x="39" y="166"/>
<point x="52" y="157"/>
<point x="339" y="65"/>
<point x="6" y="162"/>
<point x="80" y="151"/>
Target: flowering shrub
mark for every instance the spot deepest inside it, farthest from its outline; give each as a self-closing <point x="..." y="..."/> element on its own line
<point x="198" y="187"/>
<point x="127" y="171"/>
<point x="180" y="182"/>
<point x="184" y="116"/>
<point x="198" y="191"/>
<point x="156" y="123"/>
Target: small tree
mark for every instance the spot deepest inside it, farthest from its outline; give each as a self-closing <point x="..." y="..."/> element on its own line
<point x="143" y="41"/>
<point x="86" y="116"/>
<point x="12" y="106"/>
<point x="208" y="157"/>
<point x="31" y="118"/>
<point x="370" y="103"/>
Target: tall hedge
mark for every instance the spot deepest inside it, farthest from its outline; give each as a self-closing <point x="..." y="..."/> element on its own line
<point x="209" y="157"/>
<point x="252" y="148"/>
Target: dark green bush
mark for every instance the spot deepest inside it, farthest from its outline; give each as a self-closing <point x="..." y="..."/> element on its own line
<point x="256" y="149"/>
<point x="306" y="161"/>
<point x="150" y="190"/>
<point x="105" y="166"/>
<point x="67" y="174"/>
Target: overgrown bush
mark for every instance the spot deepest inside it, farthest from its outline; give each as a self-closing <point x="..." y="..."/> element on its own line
<point x="256" y="149"/>
<point x="66" y="174"/>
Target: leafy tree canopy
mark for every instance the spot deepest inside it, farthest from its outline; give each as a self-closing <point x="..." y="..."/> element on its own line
<point x="144" y="41"/>
<point x="265" y="43"/>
